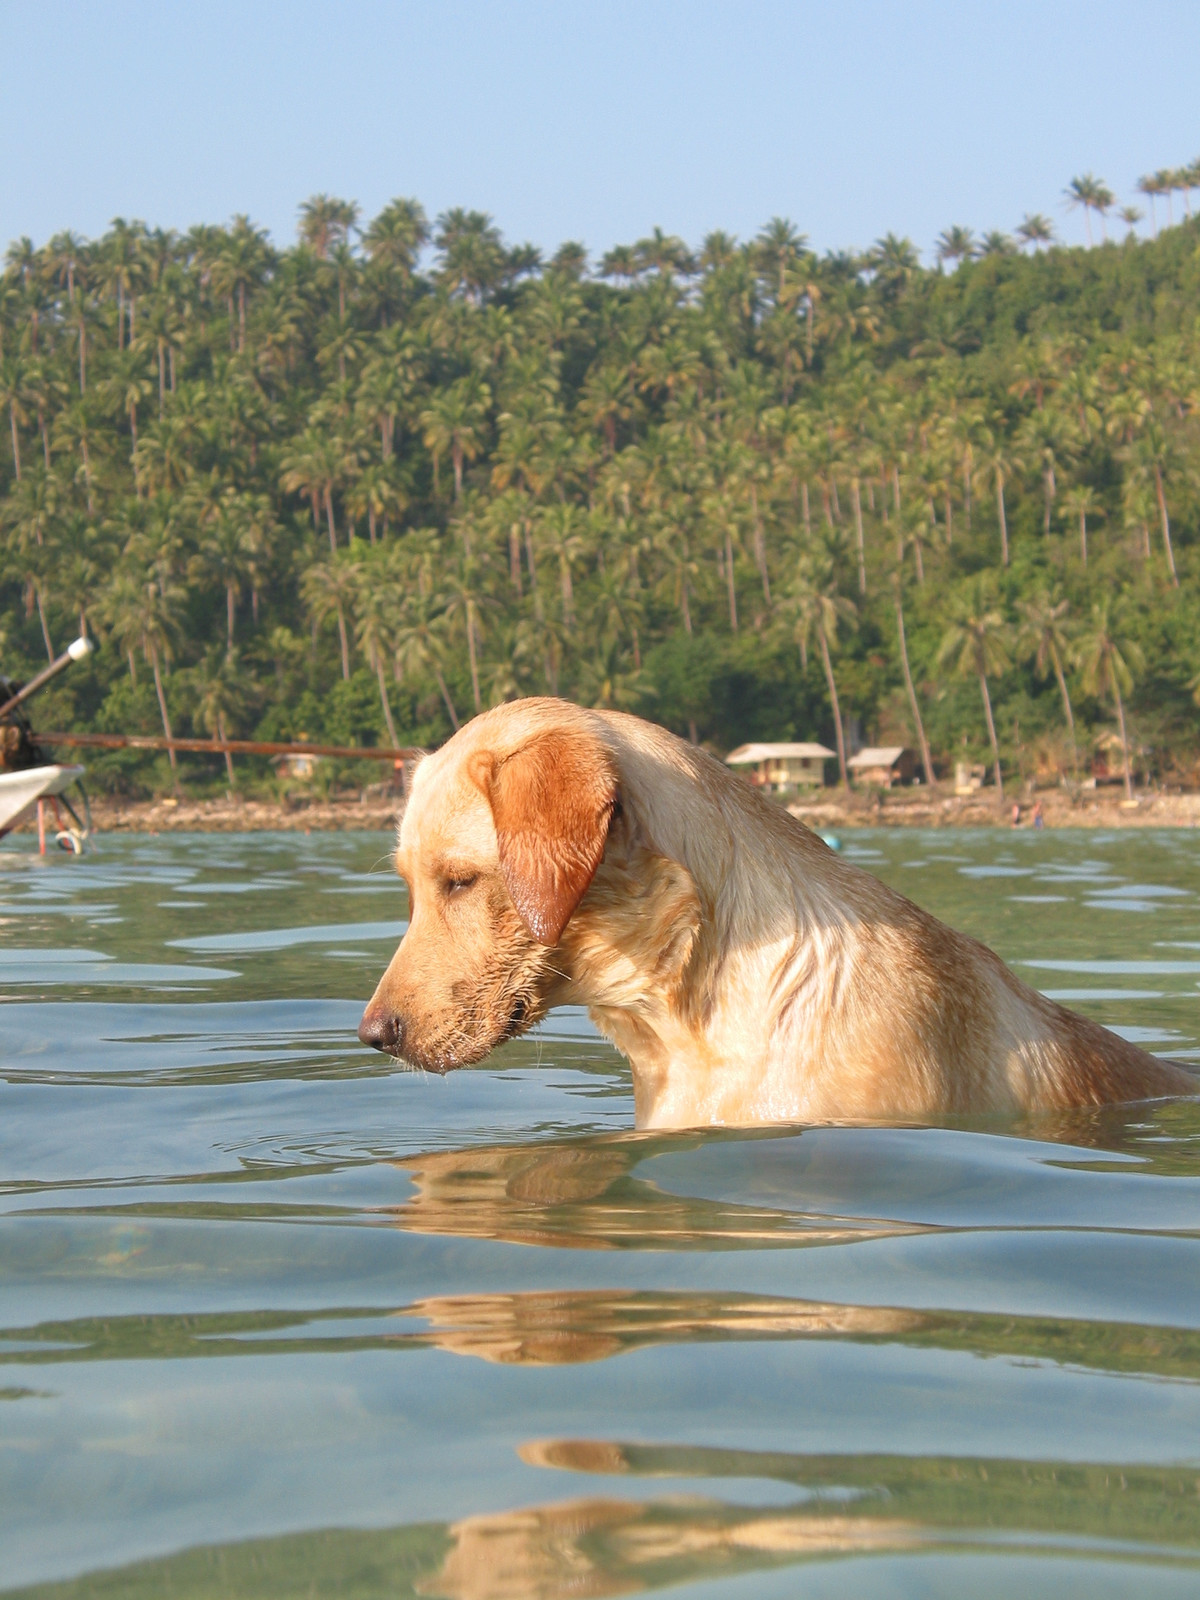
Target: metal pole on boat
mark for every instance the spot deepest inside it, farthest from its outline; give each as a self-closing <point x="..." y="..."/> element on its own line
<point x="74" y="652"/>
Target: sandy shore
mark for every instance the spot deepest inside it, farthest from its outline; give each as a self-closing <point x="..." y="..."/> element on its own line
<point x="919" y="808"/>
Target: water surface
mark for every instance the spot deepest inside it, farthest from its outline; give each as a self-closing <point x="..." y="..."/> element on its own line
<point x="277" y="1318"/>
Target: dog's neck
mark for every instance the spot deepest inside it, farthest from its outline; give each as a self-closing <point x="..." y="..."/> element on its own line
<point x="671" y="911"/>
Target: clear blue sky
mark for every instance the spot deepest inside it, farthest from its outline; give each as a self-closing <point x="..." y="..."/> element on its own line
<point x="589" y="119"/>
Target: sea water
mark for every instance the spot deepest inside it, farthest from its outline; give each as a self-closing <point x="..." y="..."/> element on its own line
<point x="280" y="1318"/>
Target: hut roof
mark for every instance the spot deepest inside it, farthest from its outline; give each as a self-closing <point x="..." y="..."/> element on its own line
<point x="878" y="756"/>
<point x="747" y="754"/>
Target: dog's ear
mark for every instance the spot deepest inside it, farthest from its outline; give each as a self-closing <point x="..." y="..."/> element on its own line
<point x="552" y="801"/>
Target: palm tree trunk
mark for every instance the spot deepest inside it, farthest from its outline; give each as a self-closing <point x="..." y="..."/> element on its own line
<point x="1083" y="536"/>
<point x="837" y="710"/>
<point x="729" y="583"/>
<point x="514" y="558"/>
<point x="345" y="643"/>
<point x="229" y="605"/>
<point x="926" y="763"/>
<point x="329" y="517"/>
<point x="441" y="683"/>
<point x="162" y="703"/>
<point x="1124" y="739"/>
<point x="457" y="455"/>
<point x="384" y="701"/>
<point x="991" y="728"/>
<point x="228" y="754"/>
<point x="16" y="440"/>
<point x="684" y="608"/>
<point x="1166" y="522"/>
<point x="162" y="382"/>
<point x="473" y="659"/>
<point x="858" y="532"/>
<point x="805" y="511"/>
<point x="1003" y="518"/>
<point x="37" y="589"/>
<point x="1066" y="700"/>
<point x="760" y="545"/>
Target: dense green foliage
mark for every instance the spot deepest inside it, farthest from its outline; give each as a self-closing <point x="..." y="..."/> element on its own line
<point x="322" y="492"/>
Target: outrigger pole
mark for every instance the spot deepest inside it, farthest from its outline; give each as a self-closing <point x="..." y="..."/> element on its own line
<point x="236" y="747"/>
<point x="74" y="652"/>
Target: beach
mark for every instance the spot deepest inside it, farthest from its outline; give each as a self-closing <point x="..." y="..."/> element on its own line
<point x="907" y="807"/>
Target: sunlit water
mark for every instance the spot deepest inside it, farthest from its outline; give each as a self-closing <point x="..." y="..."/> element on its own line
<point x="277" y="1319"/>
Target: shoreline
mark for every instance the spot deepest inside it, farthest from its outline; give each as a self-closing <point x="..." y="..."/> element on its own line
<point x="860" y="809"/>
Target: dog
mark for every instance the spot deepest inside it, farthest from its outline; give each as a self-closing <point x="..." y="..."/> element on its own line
<point x="556" y="856"/>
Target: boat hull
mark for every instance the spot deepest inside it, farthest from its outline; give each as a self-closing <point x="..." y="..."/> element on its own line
<point x="21" y="791"/>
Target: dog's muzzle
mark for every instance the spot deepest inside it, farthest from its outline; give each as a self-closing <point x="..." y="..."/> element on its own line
<point x="382" y="1032"/>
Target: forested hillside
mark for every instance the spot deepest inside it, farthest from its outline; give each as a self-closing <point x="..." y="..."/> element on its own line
<point x="357" y="489"/>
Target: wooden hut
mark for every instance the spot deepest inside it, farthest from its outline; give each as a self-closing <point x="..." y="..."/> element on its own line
<point x="776" y="767"/>
<point x="885" y="765"/>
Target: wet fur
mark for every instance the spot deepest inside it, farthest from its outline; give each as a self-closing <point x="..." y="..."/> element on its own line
<point x="749" y="974"/>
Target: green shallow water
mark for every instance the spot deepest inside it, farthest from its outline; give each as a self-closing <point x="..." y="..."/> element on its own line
<point x="277" y="1319"/>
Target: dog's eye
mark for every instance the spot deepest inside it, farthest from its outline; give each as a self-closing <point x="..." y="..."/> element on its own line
<point x="457" y="885"/>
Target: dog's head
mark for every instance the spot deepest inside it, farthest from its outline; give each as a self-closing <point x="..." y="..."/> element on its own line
<point x="502" y="835"/>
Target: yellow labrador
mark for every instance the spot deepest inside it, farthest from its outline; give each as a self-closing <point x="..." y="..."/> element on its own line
<point x="561" y="856"/>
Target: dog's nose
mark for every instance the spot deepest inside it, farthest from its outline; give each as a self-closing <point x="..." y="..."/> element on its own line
<point x="382" y="1032"/>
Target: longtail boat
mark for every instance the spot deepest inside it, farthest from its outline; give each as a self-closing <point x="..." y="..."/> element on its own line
<point x="28" y="776"/>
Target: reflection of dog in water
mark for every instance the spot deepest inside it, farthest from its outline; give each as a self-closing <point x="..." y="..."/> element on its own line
<point x="587" y="1195"/>
<point x="592" y="1548"/>
<point x="555" y="855"/>
<point x="550" y="1328"/>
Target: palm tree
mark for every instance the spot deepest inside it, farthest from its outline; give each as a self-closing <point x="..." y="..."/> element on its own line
<point x="1082" y="502"/>
<point x="226" y="553"/>
<point x="328" y="589"/>
<point x="976" y="642"/>
<point x="1151" y="188"/>
<point x="454" y="422"/>
<point x="397" y="235"/>
<point x="474" y="261"/>
<point x="141" y="610"/>
<point x="220" y="685"/>
<point x="914" y="705"/>
<point x="325" y="223"/>
<point x="1154" y="452"/>
<point x="14" y="395"/>
<point x="1091" y="194"/>
<point x="315" y="467"/>
<point x="956" y="244"/>
<point x="1107" y="662"/>
<point x="818" y="609"/>
<point x="1044" y="636"/>
<point x="419" y="645"/>
<point x="467" y="600"/>
<point x="377" y="602"/>
<point x="999" y="462"/>
<point x="1035" y="230"/>
<point x="239" y="264"/>
<point x="561" y="529"/>
<point x="1047" y="437"/>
